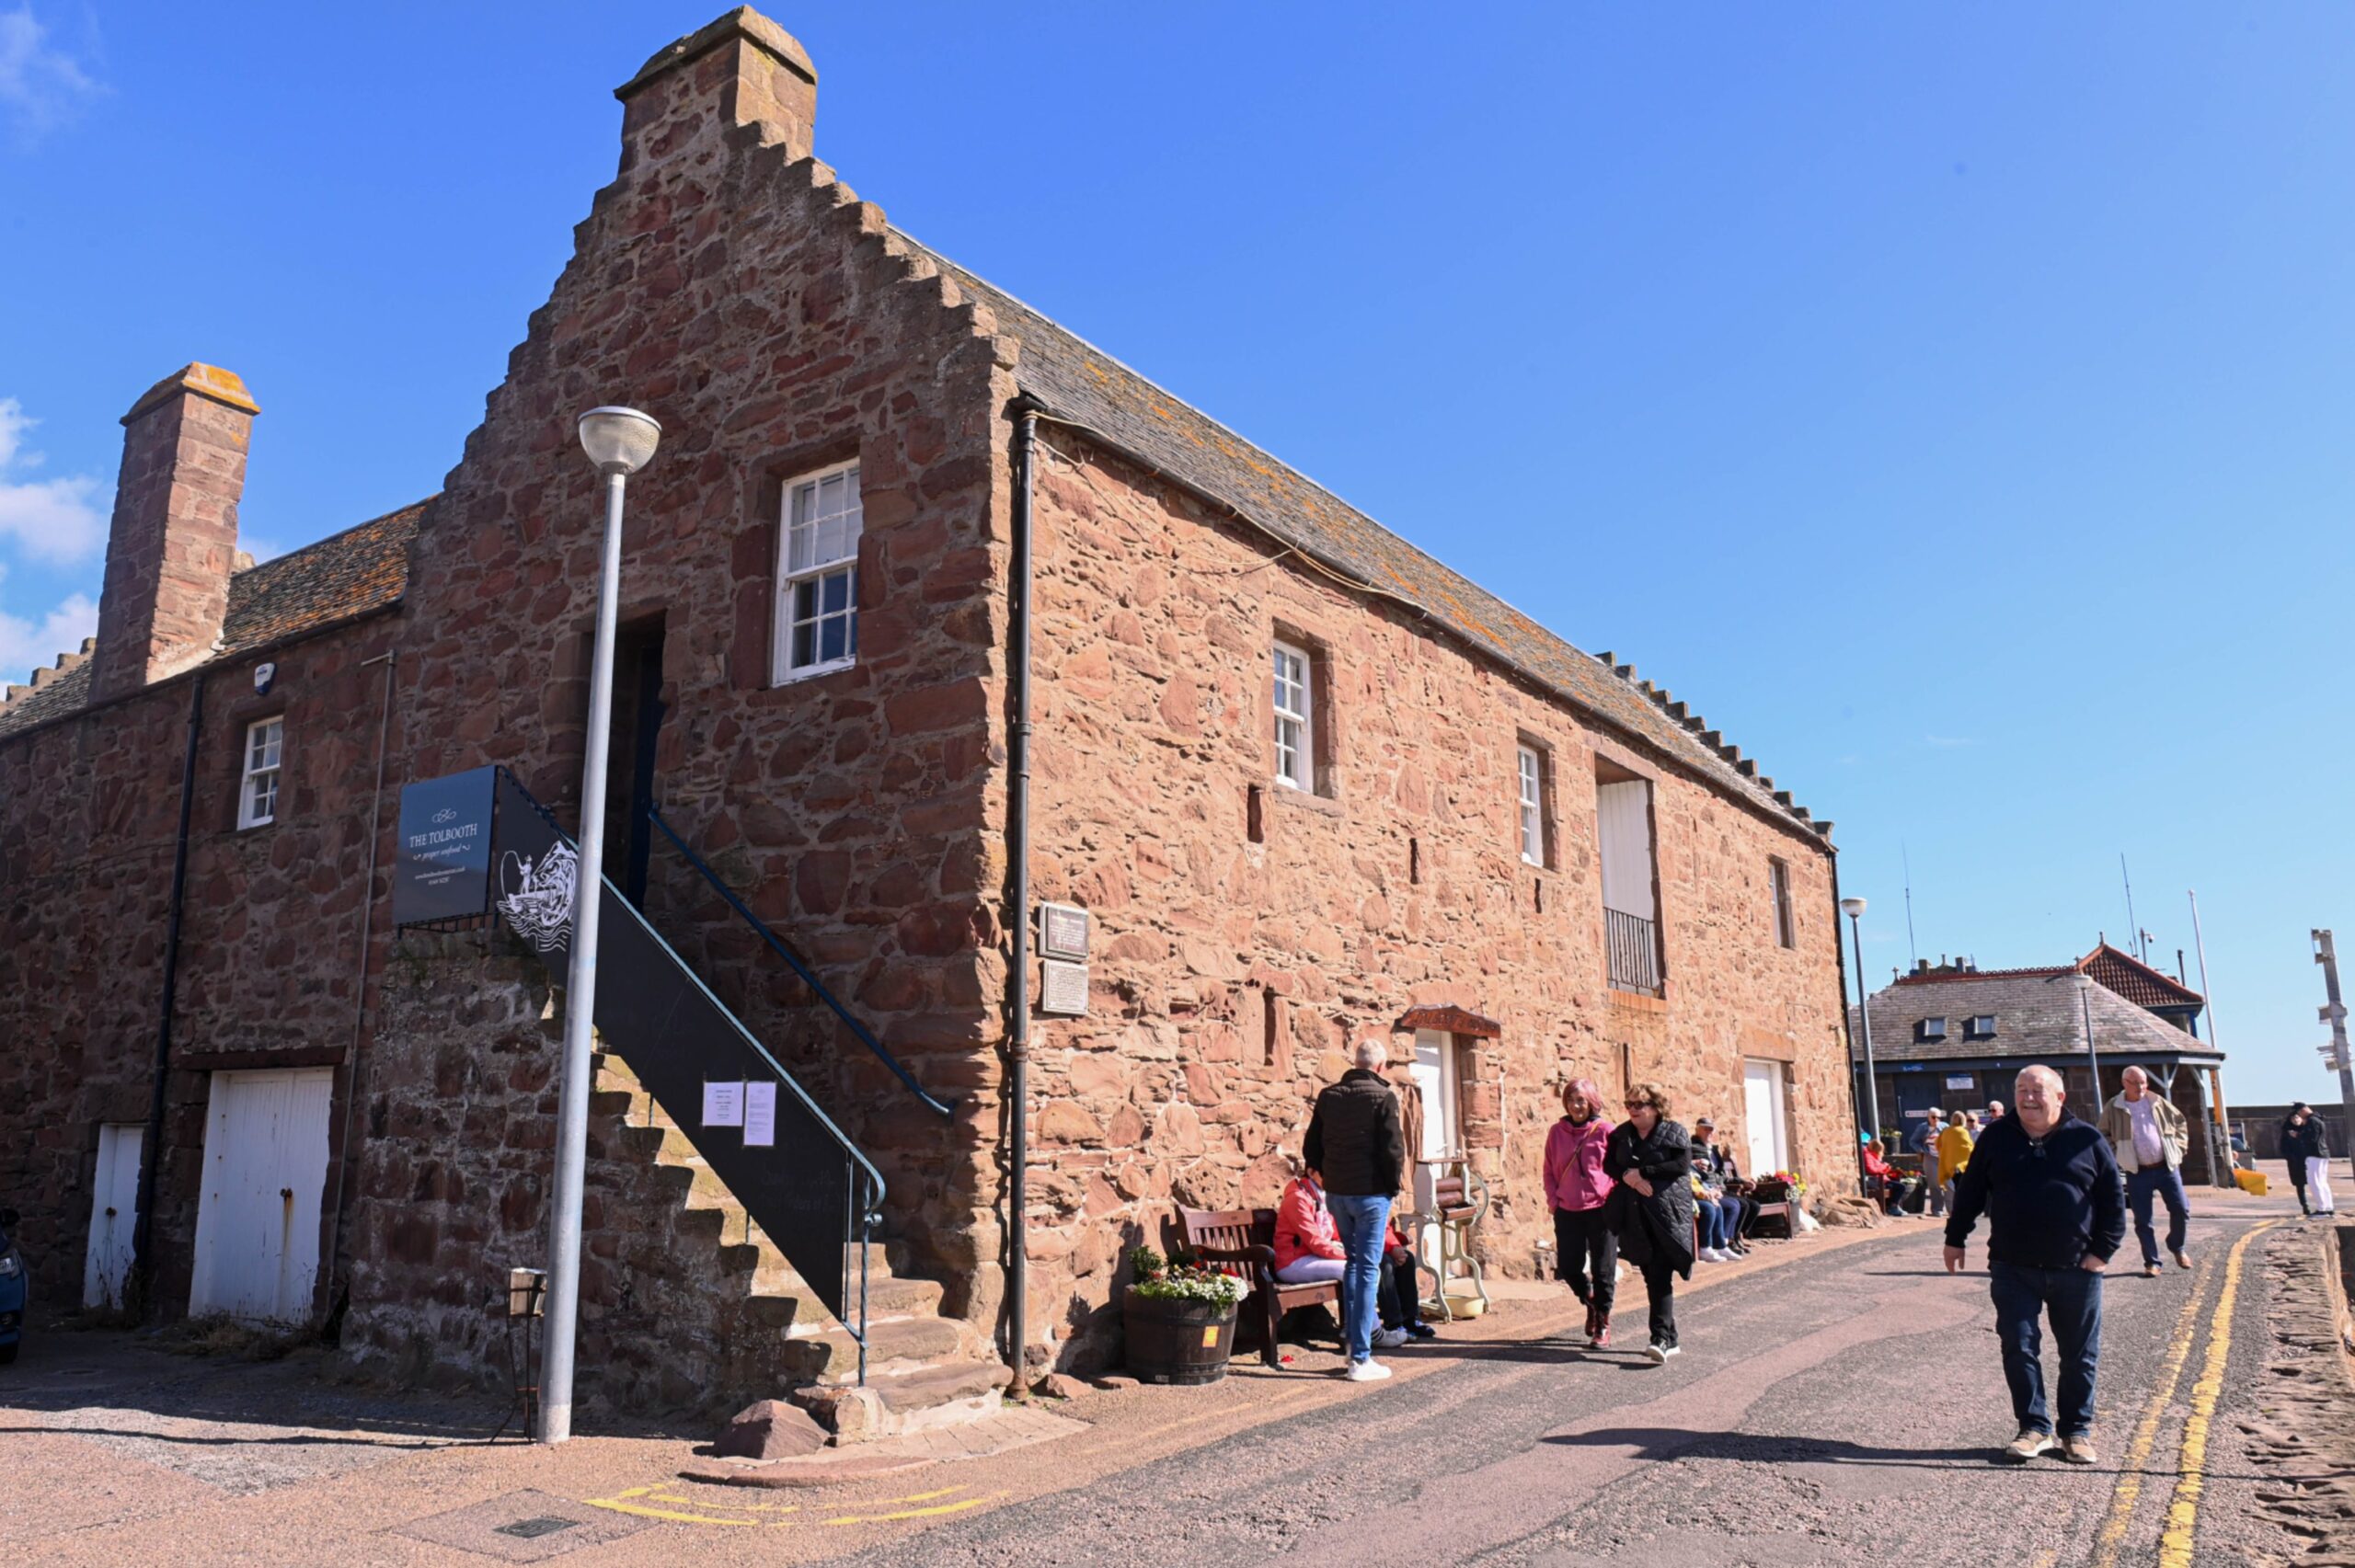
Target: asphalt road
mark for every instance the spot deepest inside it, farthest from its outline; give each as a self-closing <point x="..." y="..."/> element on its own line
<point x="1842" y="1409"/>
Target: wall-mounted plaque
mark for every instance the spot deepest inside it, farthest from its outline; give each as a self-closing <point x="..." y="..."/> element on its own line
<point x="442" y="867"/>
<point x="1063" y="988"/>
<point x="1062" y="930"/>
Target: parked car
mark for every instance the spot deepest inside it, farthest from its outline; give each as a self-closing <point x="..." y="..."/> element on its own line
<point x="12" y="1289"/>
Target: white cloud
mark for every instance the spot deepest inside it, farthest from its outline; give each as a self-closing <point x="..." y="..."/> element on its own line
<point x="41" y="86"/>
<point x="24" y="645"/>
<point x="54" y="520"/>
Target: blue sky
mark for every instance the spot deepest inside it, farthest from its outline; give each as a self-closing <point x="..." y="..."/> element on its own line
<point x="1951" y="402"/>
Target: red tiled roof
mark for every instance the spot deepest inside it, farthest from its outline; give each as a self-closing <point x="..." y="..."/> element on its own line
<point x="2137" y="982"/>
<point x="364" y="567"/>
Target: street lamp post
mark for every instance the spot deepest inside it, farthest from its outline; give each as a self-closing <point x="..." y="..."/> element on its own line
<point x="1854" y="909"/>
<point x="620" y="441"/>
<point x="2093" y="1052"/>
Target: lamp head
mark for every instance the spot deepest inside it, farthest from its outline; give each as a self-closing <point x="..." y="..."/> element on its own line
<point x="1851" y="906"/>
<point x="619" y="441"/>
<point x="2083" y="982"/>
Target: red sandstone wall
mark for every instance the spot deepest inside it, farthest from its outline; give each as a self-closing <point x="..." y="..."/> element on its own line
<point x="760" y="312"/>
<point x="270" y="947"/>
<point x="1154" y="720"/>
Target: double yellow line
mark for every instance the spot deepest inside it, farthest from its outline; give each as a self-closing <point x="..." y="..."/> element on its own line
<point x="2183" y="1509"/>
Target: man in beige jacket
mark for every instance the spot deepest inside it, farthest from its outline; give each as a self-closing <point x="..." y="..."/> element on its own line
<point x="2148" y="1135"/>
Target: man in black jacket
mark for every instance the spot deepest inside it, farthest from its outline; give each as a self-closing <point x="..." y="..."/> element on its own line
<point x="2056" y="1211"/>
<point x="1354" y="1144"/>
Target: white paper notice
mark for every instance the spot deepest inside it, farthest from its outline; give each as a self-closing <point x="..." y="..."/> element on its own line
<point x="760" y="1116"/>
<point x="723" y="1104"/>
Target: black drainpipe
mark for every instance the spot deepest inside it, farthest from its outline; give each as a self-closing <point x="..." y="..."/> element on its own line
<point x="1017" y="848"/>
<point x="142" y="1249"/>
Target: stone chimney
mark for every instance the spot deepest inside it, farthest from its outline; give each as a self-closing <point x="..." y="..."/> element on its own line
<point x="173" y="542"/>
<point x="740" y="70"/>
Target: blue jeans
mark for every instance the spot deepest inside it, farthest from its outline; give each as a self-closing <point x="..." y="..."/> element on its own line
<point x="2168" y="1182"/>
<point x="1718" y="1216"/>
<point x="1360" y="1221"/>
<point x="2072" y="1296"/>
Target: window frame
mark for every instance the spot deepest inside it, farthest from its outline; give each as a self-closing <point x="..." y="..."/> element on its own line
<point x="1528" y="791"/>
<point x="1971" y="1030"/>
<point x="783" y="672"/>
<point x="1303" y="748"/>
<point x="1787" y="920"/>
<point x="250" y="776"/>
<point x="1922" y="1030"/>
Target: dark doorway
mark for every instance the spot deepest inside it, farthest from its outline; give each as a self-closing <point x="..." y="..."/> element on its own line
<point x="629" y="767"/>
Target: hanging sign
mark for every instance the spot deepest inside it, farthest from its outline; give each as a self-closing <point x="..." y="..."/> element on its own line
<point x="441" y="865"/>
<point x="760" y="1116"/>
<point x="1958" y="1080"/>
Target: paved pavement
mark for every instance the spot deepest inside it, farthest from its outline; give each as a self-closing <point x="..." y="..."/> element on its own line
<point x="1838" y="1407"/>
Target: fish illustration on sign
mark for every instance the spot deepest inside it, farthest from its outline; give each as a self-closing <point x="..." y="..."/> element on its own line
<point x="537" y="899"/>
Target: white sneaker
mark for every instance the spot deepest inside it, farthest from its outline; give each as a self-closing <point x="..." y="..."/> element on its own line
<point x="1659" y="1354"/>
<point x="1714" y="1255"/>
<point x="1366" y="1371"/>
<point x="1390" y="1339"/>
<point x="1673" y="1349"/>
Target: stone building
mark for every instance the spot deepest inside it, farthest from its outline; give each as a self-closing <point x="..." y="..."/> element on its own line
<point x="1953" y="1035"/>
<point x="1307" y="785"/>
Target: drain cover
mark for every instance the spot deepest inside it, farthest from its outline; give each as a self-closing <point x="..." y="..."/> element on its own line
<point x="532" y="1529"/>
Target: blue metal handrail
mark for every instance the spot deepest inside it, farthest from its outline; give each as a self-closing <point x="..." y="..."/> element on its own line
<point x="870" y="1205"/>
<point x="865" y="1035"/>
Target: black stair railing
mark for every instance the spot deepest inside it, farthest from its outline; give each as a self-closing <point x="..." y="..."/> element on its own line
<point x="809" y="1189"/>
<point x="776" y="945"/>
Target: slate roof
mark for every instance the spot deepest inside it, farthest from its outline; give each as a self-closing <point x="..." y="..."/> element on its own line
<point x="1081" y="383"/>
<point x="362" y="568"/>
<point x="2036" y="1013"/>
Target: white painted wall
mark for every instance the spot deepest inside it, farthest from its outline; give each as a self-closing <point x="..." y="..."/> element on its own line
<point x="1763" y="1117"/>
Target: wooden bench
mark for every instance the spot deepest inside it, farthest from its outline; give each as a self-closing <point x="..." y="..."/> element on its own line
<point x="1242" y="1242"/>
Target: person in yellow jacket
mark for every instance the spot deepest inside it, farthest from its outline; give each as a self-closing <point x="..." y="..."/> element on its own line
<point x="1954" y="1154"/>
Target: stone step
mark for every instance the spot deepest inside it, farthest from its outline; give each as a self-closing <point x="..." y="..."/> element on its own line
<point x="910" y="1399"/>
<point x="887" y="1300"/>
<point x="833" y="1355"/>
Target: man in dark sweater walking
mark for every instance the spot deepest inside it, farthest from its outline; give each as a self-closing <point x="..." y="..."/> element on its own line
<point x="2056" y="1210"/>
<point x="1354" y="1142"/>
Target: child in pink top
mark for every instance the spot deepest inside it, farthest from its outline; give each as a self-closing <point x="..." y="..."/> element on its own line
<point x="1585" y="1249"/>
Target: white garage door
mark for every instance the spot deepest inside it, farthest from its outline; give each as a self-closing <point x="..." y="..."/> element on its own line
<point x="265" y="1168"/>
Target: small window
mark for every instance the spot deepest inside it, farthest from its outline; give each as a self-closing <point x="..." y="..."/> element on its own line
<point x="1778" y="873"/>
<point x="1931" y="1029"/>
<point x="1532" y="811"/>
<point x="257" y="792"/>
<point x="817" y="605"/>
<point x="1980" y="1028"/>
<point x="1296" y="726"/>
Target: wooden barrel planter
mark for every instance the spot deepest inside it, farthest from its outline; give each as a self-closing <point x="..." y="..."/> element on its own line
<point x="1176" y="1341"/>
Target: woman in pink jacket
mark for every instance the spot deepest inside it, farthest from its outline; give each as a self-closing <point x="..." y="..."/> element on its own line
<point x="1586" y="1247"/>
<point x="1308" y="1245"/>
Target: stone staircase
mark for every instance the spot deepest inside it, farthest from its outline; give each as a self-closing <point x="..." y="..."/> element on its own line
<point x="924" y="1369"/>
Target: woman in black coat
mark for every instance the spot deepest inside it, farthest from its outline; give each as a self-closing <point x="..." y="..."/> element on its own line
<point x="1650" y="1158"/>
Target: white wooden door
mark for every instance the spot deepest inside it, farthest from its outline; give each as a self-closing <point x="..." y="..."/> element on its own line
<point x="1434" y="1073"/>
<point x="265" y="1174"/>
<point x="1761" y="1104"/>
<point x="114" y="1207"/>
